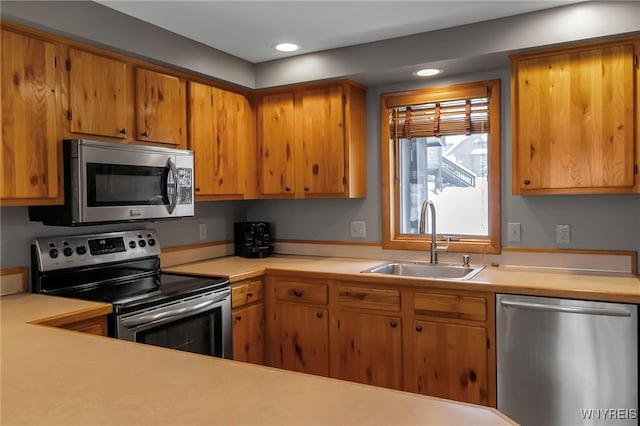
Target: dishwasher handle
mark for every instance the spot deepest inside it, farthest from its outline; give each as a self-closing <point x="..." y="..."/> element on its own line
<point x="614" y="312"/>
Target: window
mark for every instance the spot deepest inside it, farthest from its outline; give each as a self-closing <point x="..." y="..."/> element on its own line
<point x="442" y="144"/>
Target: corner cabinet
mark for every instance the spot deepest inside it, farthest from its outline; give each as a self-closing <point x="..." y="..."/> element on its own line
<point x="222" y="139"/>
<point x="30" y="127"/>
<point x="311" y="141"/>
<point x="575" y="119"/>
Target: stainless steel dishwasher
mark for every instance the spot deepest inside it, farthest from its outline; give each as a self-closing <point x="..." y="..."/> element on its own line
<point x="567" y="362"/>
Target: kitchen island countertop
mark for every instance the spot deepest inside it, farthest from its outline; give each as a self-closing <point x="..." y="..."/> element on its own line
<point x="60" y="377"/>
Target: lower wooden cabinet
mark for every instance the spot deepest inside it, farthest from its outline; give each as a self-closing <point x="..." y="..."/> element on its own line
<point x="300" y="338"/>
<point x="368" y="349"/>
<point x="248" y="320"/>
<point x="433" y="341"/>
<point x="248" y="334"/>
<point x="450" y="361"/>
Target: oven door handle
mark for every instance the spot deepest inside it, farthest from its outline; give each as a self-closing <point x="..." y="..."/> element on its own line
<point x="174" y="172"/>
<point x="136" y="321"/>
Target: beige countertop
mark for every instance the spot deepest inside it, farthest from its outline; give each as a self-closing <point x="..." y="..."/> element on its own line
<point x="501" y="279"/>
<point x="60" y="377"/>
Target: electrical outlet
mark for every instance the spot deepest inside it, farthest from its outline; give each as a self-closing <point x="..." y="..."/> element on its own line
<point x="358" y="229"/>
<point x="203" y="231"/>
<point x="563" y="234"/>
<point x="514" y="232"/>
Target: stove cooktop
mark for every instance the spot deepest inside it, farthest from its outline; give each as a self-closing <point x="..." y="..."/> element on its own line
<point x="144" y="293"/>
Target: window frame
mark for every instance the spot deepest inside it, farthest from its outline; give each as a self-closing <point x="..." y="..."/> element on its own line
<point x="389" y="162"/>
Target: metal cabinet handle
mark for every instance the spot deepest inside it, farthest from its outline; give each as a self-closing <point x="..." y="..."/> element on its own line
<point x="238" y="317"/>
<point x="306" y="188"/>
<point x="393" y="324"/>
<point x="197" y="189"/>
<point x="287" y="189"/>
<point x="146" y="133"/>
<point x="249" y="295"/>
<point x="527" y="181"/>
<point x="124" y="131"/>
<point x="296" y="293"/>
<point x="615" y="312"/>
<point x="418" y="328"/>
<point x="319" y="314"/>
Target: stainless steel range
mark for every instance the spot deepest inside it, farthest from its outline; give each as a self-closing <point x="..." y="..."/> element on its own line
<point x="123" y="268"/>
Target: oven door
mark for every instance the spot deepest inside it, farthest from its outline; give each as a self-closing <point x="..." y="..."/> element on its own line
<point x="119" y="182"/>
<point x="199" y="324"/>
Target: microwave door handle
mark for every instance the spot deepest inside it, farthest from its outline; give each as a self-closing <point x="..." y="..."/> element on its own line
<point x="174" y="171"/>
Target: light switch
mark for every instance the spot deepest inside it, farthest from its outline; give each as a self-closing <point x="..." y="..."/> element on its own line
<point x="358" y="229"/>
<point x="563" y="234"/>
<point x="514" y="232"/>
<point x="203" y="231"/>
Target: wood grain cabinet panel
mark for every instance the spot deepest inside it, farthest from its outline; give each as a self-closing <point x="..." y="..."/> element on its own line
<point x="249" y="291"/>
<point x="321" y="117"/>
<point x="219" y="137"/>
<point x="312" y="141"/>
<point x="450" y="361"/>
<point x="161" y="108"/>
<point x="300" y="338"/>
<point x="369" y="298"/>
<point x="277" y="144"/>
<point x="451" y="306"/>
<point x="29" y="126"/>
<point x="97" y="95"/>
<point x="574" y="122"/>
<point x="369" y="349"/>
<point x="248" y="334"/>
<point x="300" y="291"/>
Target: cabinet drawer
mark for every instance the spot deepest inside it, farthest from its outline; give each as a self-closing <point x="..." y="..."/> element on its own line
<point x="370" y="298"/>
<point x="246" y="292"/>
<point x="451" y="306"/>
<point x="295" y="291"/>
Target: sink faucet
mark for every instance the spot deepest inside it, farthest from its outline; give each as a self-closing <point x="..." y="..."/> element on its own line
<point x="434" y="236"/>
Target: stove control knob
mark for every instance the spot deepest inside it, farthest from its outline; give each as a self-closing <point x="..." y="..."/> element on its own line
<point x="81" y="250"/>
<point x="68" y="251"/>
<point x="152" y="242"/>
<point x="53" y="253"/>
<point x="132" y="244"/>
<point x="142" y="243"/>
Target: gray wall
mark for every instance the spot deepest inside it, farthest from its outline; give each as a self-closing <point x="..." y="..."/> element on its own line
<point x="17" y="231"/>
<point x="597" y="221"/>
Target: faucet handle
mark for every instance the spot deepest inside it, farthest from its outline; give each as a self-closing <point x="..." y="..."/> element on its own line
<point x="465" y="260"/>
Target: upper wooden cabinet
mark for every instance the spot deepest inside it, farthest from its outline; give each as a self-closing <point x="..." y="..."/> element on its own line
<point x="311" y="141"/>
<point x="28" y="158"/>
<point x="575" y="114"/>
<point x="161" y="108"/>
<point x="97" y="95"/>
<point x="220" y="134"/>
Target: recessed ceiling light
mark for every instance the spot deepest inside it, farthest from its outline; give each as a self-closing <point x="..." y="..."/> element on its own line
<point x="286" y="47"/>
<point x="428" y="72"/>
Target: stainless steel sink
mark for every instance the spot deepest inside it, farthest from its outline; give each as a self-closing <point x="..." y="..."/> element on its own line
<point x="426" y="270"/>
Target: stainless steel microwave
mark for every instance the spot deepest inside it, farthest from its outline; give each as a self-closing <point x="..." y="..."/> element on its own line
<point x="117" y="182"/>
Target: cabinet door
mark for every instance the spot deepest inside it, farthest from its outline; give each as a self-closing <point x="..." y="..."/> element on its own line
<point x="322" y="132"/>
<point x="248" y="334"/>
<point x="575" y="120"/>
<point x="450" y="361"/>
<point x="369" y="349"/>
<point x="29" y="131"/>
<point x="277" y="144"/>
<point x="97" y="95"/>
<point x="301" y="339"/>
<point x="161" y="112"/>
<point x="218" y="134"/>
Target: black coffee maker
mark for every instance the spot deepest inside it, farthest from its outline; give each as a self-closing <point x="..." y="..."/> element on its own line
<point x="252" y="239"/>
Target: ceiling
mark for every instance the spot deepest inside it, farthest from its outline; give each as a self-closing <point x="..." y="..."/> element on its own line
<point x="250" y="29"/>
